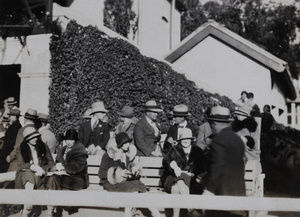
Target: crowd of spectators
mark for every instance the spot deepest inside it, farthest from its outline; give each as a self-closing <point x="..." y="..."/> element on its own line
<point x="207" y="159"/>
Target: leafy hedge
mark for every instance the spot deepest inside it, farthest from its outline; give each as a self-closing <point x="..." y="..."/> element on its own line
<point x="87" y="65"/>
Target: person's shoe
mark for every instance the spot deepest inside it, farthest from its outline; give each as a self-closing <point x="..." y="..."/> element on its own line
<point x="26" y="210"/>
<point x="49" y="212"/>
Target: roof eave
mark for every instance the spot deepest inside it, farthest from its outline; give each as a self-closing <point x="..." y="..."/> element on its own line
<point x="230" y="38"/>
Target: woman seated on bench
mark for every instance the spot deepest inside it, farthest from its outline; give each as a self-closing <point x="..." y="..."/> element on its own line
<point x="34" y="161"/>
<point x="184" y="167"/>
<point x="70" y="171"/>
<point x="120" y="171"/>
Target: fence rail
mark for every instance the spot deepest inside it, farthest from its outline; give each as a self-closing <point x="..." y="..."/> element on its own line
<point x="144" y="200"/>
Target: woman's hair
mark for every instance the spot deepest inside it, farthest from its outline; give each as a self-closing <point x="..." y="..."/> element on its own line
<point x="71" y="134"/>
<point x="244" y="92"/>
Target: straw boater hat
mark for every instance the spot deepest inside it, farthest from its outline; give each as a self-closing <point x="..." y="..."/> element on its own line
<point x="121" y="139"/>
<point x="31" y="114"/>
<point x="87" y="113"/>
<point x="152" y="106"/>
<point x="98" y="107"/>
<point x="43" y="117"/>
<point x="185" y="133"/>
<point x="14" y="111"/>
<point x="11" y="101"/>
<point x="30" y="133"/>
<point x="180" y="111"/>
<point x="220" y="114"/>
<point x="126" y="111"/>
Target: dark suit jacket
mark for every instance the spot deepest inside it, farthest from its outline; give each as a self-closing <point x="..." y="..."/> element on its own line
<point x="144" y="137"/>
<point x="173" y="132"/>
<point x="102" y="132"/>
<point x="9" y="143"/>
<point x="226" y="169"/>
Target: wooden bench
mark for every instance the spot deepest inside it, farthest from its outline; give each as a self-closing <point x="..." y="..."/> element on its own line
<point x="153" y="169"/>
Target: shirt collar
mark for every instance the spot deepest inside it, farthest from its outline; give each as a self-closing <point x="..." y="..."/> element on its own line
<point x="183" y="124"/>
<point x="149" y="120"/>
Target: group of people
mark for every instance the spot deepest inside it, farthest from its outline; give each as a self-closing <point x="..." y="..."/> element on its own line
<point x="209" y="159"/>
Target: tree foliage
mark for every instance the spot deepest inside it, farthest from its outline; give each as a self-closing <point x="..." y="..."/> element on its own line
<point x="118" y="16"/>
<point x="272" y="28"/>
<point x="87" y="65"/>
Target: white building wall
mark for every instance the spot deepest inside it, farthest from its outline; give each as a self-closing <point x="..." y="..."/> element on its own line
<point x="35" y="69"/>
<point x="229" y="72"/>
<point x="154" y="27"/>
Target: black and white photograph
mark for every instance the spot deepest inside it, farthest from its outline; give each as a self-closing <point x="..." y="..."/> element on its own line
<point x="150" y="108"/>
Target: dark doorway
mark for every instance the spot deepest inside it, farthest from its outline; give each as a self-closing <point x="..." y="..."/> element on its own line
<point x="9" y="82"/>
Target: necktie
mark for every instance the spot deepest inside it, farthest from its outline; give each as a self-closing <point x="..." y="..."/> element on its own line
<point x="95" y="125"/>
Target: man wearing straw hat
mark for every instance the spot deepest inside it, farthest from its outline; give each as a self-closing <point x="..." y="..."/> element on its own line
<point x="226" y="169"/>
<point x="146" y="131"/>
<point x="10" y="137"/>
<point x="94" y="134"/>
<point x="180" y="114"/>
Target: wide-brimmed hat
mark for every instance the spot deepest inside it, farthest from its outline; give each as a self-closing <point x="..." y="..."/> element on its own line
<point x="243" y="110"/>
<point x="87" y="113"/>
<point x="122" y="138"/>
<point x="152" y="106"/>
<point x="30" y="133"/>
<point x="185" y="133"/>
<point x="180" y="111"/>
<point x="15" y="111"/>
<point x="220" y="114"/>
<point x="31" y="114"/>
<point x="43" y="117"/>
<point x="11" y="101"/>
<point x="98" y="107"/>
<point x="126" y="111"/>
<point x="71" y="134"/>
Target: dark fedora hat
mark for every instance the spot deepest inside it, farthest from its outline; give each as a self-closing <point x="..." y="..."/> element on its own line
<point x="121" y="139"/>
<point x="126" y="111"/>
<point x="220" y="114"/>
<point x="31" y="114"/>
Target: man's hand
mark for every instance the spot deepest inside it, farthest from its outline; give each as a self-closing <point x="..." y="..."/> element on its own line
<point x="172" y="141"/>
<point x="37" y="169"/>
<point x="60" y="167"/>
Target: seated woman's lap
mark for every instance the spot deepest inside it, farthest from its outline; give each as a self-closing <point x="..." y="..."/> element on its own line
<point x="172" y="180"/>
<point x="27" y="177"/>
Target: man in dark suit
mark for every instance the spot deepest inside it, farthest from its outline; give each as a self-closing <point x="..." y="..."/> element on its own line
<point x="226" y="169"/>
<point x="180" y="114"/>
<point x="147" y="132"/>
<point x="94" y="134"/>
<point x="10" y="137"/>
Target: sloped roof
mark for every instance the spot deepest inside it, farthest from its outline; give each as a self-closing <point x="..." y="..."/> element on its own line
<point x="240" y="44"/>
